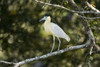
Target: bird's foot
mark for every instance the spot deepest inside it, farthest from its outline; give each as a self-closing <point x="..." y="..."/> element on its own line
<point x="50" y="51"/>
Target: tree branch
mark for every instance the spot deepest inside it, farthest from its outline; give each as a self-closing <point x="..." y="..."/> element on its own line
<point x="48" y="55"/>
<point x="73" y="11"/>
<point x="70" y="10"/>
<point x="91" y="7"/>
<point x="89" y="18"/>
<point x="6" y="62"/>
<point x="88" y="30"/>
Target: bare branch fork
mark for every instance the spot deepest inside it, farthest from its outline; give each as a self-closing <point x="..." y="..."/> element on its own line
<point x="70" y="10"/>
<point x="73" y="11"/>
<point x="88" y="30"/>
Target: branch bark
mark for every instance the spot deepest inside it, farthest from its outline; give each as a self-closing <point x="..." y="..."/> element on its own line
<point x="48" y="55"/>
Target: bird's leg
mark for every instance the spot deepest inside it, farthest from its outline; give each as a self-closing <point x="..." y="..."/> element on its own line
<point x="53" y="44"/>
<point x="59" y="43"/>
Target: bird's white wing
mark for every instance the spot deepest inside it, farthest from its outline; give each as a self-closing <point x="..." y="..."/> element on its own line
<point x="58" y="32"/>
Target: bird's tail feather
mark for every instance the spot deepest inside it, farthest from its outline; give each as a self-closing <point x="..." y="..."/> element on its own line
<point x="67" y="38"/>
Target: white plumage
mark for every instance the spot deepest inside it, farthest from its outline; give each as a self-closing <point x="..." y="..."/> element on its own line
<point x="58" y="32"/>
<point x="53" y="29"/>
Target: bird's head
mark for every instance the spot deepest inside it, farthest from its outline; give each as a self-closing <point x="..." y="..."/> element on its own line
<point x="45" y="18"/>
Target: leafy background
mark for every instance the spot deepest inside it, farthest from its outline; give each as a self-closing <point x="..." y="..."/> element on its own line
<point x="22" y="35"/>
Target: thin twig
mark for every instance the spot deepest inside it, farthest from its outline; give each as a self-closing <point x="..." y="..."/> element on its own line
<point x="91" y="49"/>
<point x="91" y="18"/>
<point x="6" y="62"/>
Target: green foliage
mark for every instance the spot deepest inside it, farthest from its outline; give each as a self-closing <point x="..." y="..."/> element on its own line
<point x="21" y="35"/>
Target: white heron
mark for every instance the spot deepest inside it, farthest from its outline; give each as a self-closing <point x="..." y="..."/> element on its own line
<point x="53" y="29"/>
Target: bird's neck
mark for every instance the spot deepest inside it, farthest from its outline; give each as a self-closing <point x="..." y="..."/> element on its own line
<point x="48" y="21"/>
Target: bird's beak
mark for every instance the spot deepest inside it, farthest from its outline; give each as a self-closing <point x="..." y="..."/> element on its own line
<point x="43" y="19"/>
